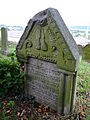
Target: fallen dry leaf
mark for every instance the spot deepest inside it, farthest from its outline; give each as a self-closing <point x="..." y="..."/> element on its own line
<point x="18" y="114"/>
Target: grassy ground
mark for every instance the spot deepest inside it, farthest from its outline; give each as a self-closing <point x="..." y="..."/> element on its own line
<point x="83" y="87"/>
<point x="10" y="109"/>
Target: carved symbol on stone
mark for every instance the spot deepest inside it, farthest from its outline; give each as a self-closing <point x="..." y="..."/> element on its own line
<point x="40" y="43"/>
<point x="43" y="22"/>
<point x="43" y="43"/>
<point x="53" y="48"/>
<point x="64" y="58"/>
<point x="37" y="41"/>
<point x="29" y="44"/>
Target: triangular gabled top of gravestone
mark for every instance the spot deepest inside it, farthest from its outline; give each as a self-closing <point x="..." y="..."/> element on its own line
<point x="46" y="37"/>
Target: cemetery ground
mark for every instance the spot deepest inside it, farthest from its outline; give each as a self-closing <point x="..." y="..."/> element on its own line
<point x="13" y="104"/>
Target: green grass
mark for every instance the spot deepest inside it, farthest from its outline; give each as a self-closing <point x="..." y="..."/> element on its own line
<point x="83" y="76"/>
<point x="83" y="88"/>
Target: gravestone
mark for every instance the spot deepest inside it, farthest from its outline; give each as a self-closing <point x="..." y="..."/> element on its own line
<point x="80" y="48"/>
<point x="50" y="56"/>
<point x="84" y="47"/>
<point x="86" y="53"/>
<point x="4" y="41"/>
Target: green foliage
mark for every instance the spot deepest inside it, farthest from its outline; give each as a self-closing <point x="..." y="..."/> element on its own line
<point x="11" y="46"/>
<point x="10" y="75"/>
<point x="11" y="103"/>
<point x="4" y="117"/>
<point x="8" y="110"/>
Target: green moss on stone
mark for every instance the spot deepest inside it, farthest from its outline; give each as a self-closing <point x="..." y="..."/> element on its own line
<point x="68" y="90"/>
<point x="86" y="52"/>
<point x="60" y="96"/>
<point x="53" y="50"/>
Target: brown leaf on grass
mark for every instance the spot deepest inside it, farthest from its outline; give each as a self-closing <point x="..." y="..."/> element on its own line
<point x="46" y="113"/>
<point x="84" y="107"/>
<point x="18" y="114"/>
<point x="39" y="109"/>
<point x="31" y="116"/>
<point x="24" y="117"/>
<point x="45" y="109"/>
<point x="24" y="111"/>
<point x="5" y="103"/>
<point x="8" y="111"/>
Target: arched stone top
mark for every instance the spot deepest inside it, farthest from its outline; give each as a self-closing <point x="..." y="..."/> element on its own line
<point x="46" y="37"/>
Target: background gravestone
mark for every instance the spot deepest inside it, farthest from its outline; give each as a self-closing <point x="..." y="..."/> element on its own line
<point x="4" y="41"/>
<point x="84" y="48"/>
<point x="86" y="53"/>
<point x="50" y="57"/>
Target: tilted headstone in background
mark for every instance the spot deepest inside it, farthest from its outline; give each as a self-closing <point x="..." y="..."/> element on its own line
<point x="50" y="56"/>
<point x="84" y="47"/>
<point x="86" y="53"/>
<point x="4" y="41"/>
<point x="80" y="48"/>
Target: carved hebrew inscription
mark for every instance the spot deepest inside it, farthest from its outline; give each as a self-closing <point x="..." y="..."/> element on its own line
<point x="43" y="79"/>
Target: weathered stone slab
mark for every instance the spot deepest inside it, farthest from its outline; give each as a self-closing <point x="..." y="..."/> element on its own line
<point x="4" y="41"/>
<point x="47" y="37"/>
<point x="86" y="53"/>
<point x="50" y="55"/>
<point x="43" y="79"/>
<point x="80" y="48"/>
<point x="84" y="47"/>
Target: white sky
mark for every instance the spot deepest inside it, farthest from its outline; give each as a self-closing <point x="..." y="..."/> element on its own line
<point x="18" y="12"/>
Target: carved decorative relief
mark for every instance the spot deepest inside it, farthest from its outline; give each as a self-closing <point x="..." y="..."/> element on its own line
<point x="44" y="46"/>
<point x="47" y="43"/>
<point x="37" y="39"/>
<point x="28" y="45"/>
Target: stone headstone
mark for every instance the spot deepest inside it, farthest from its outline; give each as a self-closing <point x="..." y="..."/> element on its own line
<point x="86" y="53"/>
<point x="4" y="41"/>
<point x="80" y="48"/>
<point x="81" y="42"/>
<point x="50" y="56"/>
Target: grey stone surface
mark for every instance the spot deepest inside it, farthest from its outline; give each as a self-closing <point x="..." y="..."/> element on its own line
<point x="86" y="53"/>
<point x="53" y="14"/>
<point x="50" y="56"/>
<point x="4" y="41"/>
<point x="48" y="84"/>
